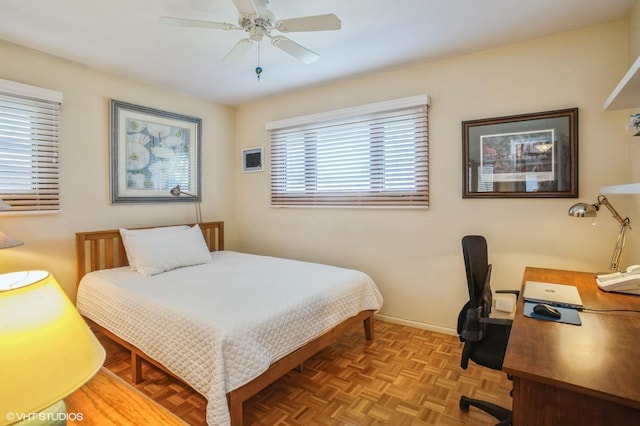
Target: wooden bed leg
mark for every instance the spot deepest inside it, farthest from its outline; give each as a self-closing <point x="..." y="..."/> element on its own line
<point x="136" y="368"/>
<point x="295" y="359"/>
<point x="235" y="410"/>
<point x="368" y="327"/>
<point x="300" y="367"/>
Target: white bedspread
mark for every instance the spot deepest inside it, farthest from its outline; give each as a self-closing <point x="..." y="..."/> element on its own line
<point x="221" y="324"/>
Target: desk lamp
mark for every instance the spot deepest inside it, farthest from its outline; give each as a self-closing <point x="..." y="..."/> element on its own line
<point x="47" y="351"/>
<point x="176" y="192"/>
<point x="591" y="210"/>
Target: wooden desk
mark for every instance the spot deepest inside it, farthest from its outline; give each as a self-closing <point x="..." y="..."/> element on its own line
<point x="576" y="375"/>
<point x="108" y="400"/>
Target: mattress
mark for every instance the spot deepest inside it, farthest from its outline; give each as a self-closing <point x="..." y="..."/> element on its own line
<point x="219" y="325"/>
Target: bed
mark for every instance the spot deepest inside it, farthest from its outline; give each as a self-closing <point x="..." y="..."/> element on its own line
<point x="228" y="325"/>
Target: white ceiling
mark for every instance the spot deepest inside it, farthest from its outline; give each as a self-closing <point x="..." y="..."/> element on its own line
<point x="124" y="37"/>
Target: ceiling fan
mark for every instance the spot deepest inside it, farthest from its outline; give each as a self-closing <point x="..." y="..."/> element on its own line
<point x="259" y="22"/>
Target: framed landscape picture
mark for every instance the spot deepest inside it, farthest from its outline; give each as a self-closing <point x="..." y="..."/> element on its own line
<point x="529" y="155"/>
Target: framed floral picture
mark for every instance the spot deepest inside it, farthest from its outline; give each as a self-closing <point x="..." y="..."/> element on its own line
<point x="151" y="152"/>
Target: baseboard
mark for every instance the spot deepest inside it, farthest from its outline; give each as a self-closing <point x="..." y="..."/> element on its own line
<point x="416" y="324"/>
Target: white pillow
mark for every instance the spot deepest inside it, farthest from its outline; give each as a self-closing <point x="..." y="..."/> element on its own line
<point x="126" y="233"/>
<point x="156" y="253"/>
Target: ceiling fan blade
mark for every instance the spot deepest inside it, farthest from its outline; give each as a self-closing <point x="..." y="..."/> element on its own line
<point x="195" y="23"/>
<point x="309" y="23"/>
<point x="305" y="55"/>
<point x="239" y="50"/>
<point x="246" y="7"/>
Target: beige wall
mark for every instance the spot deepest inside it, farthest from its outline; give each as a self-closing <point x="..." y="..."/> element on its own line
<point x="634" y="32"/>
<point x="84" y="161"/>
<point x="414" y="255"/>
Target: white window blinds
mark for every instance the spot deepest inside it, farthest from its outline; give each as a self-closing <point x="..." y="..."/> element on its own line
<point x="369" y="156"/>
<point x="29" y="131"/>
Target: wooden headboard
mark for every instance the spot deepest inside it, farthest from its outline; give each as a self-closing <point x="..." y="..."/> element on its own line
<point x="98" y="250"/>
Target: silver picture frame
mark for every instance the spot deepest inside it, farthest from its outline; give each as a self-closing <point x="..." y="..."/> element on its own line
<point x="152" y="151"/>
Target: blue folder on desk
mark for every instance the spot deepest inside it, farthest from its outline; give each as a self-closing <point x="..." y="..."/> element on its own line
<point x="569" y="315"/>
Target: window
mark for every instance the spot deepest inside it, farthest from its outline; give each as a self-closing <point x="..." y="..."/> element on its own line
<point x="372" y="155"/>
<point x="29" y="128"/>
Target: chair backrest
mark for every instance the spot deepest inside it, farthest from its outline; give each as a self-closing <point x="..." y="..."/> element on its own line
<point x="485" y="342"/>
<point x="476" y="260"/>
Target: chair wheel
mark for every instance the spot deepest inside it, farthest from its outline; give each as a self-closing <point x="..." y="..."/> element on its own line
<point x="464" y="405"/>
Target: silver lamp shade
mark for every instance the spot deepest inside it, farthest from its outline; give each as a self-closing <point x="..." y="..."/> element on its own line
<point x="176" y="192"/>
<point x="583" y="210"/>
<point x="591" y="210"/>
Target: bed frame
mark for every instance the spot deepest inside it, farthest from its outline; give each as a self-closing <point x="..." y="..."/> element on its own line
<point x="104" y="250"/>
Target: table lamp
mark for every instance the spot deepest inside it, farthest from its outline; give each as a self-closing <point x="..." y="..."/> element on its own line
<point x="176" y="192"/>
<point x="591" y="210"/>
<point x="47" y="351"/>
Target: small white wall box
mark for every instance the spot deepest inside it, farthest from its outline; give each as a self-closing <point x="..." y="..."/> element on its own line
<point x="504" y="302"/>
<point x="252" y="160"/>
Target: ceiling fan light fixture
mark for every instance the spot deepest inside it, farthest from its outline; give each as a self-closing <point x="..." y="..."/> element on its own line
<point x="256" y="33"/>
<point x="245" y="22"/>
<point x="258" y="21"/>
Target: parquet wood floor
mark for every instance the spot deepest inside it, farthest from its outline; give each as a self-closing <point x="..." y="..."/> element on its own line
<point x="407" y="376"/>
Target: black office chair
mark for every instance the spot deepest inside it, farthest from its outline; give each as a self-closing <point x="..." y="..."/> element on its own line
<point x="485" y="339"/>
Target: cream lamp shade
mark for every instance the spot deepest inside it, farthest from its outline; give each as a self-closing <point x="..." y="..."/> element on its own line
<point x="46" y="349"/>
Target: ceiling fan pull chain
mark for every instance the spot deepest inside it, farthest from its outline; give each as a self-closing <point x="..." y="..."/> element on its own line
<point x="258" y="68"/>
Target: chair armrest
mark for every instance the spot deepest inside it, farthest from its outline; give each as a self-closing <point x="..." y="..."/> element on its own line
<point x="497" y="321"/>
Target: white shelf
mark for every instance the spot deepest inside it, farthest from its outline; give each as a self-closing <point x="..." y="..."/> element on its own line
<point x="627" y="93"/>
<point x="630" y="188"/>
